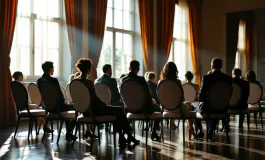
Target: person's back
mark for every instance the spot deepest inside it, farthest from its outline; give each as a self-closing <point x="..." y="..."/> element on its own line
<point x="152" y="86"/>
<point x="244" y="86"/>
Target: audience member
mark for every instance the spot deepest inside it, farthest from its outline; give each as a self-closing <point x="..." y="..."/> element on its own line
<point x="48" y="70"/>
<point x="99" y="108"/>
<point x="18" y="76"/>
<point x="251" y="77"/>
<point x="146" y="76"/>
<point x="152" y="85"/>
<point x="170" y="72"/>
<point x="189" y="78"/>
<point x="151" y="106"/>
<point x="203" y="106"/>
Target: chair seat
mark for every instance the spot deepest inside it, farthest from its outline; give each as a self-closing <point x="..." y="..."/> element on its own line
<point x="237" y="111"/>
<point x="179" y="115"/>
<point x="66" y="115"/>
<point x="155" y="115"/>
<point x="100" y="119"/>
<point x="210" y="116"/>
<point x="34" y="112"/>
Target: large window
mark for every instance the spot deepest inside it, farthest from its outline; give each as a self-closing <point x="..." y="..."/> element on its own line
<point x="240" y="54"/>
<point x="37" y="36"/>
<point x="180" y="48"/>
<point x="117" y="47"/>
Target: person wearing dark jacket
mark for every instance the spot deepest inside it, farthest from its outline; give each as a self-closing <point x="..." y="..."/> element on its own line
<point x="48" y="70"/>
<point x="152" y="85"/>
<point x="112" y="84"/>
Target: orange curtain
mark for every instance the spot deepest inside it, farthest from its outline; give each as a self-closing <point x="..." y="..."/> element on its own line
<point x="194" y="28"/>
<point x="248" y="44"/>
<point x="7" y="25"/>
<point x="74" y="21"/>
<point x="165" y="25"/>
<point x="146" y="24"/>
<point x="97" y="10"/>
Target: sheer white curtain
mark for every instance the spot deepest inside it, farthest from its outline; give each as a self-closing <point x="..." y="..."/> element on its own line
<point x="180" y="49"/>
<point x="36" y="37"/>
<point x="240" y="61"/>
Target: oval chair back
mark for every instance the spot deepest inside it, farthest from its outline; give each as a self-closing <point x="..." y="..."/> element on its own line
<point x="236" y="96"/>
<point x="255" y="93"/>
<point x="34" y="94"/>
<point x="190" y="92"/>
<point x="170" y="94"/>
<point x="80" y="95"/>
<point x="133" y="94"/>
<point x="63" y="91"/>
<point x="20" y="95"/>
<point x="49" y="95"/>
<point x="68" y="94"/>
<point x="103" y="92"/>
<point x="219" y="95"/>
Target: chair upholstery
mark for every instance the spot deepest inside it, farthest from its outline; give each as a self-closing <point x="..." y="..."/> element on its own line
<point x="100" y="119"/>
<point x="34" y="94"/>
<point x="255" y="93"/>
<point x="65" y="115"/>
<point x="236" y="95"/>
<point x="63" y="91"/>
<point x="20" y="95"/>
<point x="210" y="116"/>
<point x="103" y="92"/>
<point x="33" y="112"/>
<point x="68" y="94"/>
<point x="155" y="115"/>
<point x="174" y="115"/>
<point x="190" y="92"/>
<point x="49" y="95"/>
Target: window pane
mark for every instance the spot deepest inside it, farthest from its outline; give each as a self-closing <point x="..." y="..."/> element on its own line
<point x="180" y="58"/>
<point x="20" y="59"/>
<point x="109" y="17"/>
<point x="23" y="7"/>
<point x="128" y="5"/>
<point x="109" y="3"/>
<point x="118" y="19"/>
<point x="119" y="54"/>
<point x="49" y="8"/>
<point x="127" y="21"/>
<point x="53" y="35"/>
<point x="106" y="53"/>
<point x="118" y="4"/>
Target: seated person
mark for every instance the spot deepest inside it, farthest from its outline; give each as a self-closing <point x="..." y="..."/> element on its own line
<point x="251" y="77"/>
<point x="48" y="70"/>
<point x="146" y="76"/>
<point x="151" y="106"/>
<point x="203" y="105"/>
<point x="170" y="72"/>
<point x="99" y="108"/>
<point x="152" y="85"/>
<point x="189" y="77"/>
<point x="112" y="84"/>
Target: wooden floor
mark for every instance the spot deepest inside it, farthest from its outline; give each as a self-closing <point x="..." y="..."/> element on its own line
<point x="246" y="146"/>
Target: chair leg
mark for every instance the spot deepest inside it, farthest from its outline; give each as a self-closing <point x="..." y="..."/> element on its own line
<point x="261" y="118"/>
<point x="18" y="121"/>
<point x="98" y="134"/>
<point x="39" y="125"/>
<point x="61" y="125"/>
<point x="58" y="126"/>
<point x="29" y="131"/>
<point x="133" y="127"/>
<point x="169" y="128"/>
<point x="114" y="136"/>
<point x="183" y="131"/>
<point x="248" y="121"/>
<point x="36" y="126"/>
<point x="83" y="128"/>
<point x="76" y="128"/>
<point x="31" y="127"/>
<point x="79" y="134"/>
<point x="255" y="118"/>
<point x="226" y="130"/>
<point x="146" y="138"/>
<point x="46" y="123"/>
<point x="162" y="130"/>
<point x="207" y="130"/>
<point x="52" y="128"/>
<point x="142" y="130"/>
<point x="92" y="141"/>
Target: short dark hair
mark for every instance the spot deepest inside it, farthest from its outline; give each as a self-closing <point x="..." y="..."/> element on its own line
<point x="237" y="72"/>
<point x="83" y="64"/>
<point x="151" y="75"/>
<point x="17" y="74"/>
<point x="217" y="63"/>
<point x="251" y="76"/>
<point x="189" y="75"/>
<point x="106" y="67"/>
<point x="46" y="66"/>
<point x="134" y="65"/>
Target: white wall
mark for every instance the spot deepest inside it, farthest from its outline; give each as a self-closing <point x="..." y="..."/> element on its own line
<point x="213" y="27"/>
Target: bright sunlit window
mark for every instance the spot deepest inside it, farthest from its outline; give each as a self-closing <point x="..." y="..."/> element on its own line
<point x="118" y="38"/>
<point x="239" y="60"/>
<point x="37" y="36"/>
<point x="180" y="49"/>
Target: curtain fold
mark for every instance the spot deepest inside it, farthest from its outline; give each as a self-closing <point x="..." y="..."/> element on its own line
<point x="165" y="25"/>
<point x="194" y="30"/>
<point x="248" y="44"/>
<point x="147" y="29"/>
<point x="232" y="26"/>
<point x="97" y="11"/>
<point x="8" y="11"/>
<point x="74" y="21"/>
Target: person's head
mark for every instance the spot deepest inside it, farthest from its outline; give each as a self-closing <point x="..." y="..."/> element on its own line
<point x="18" y="76"/>
<point x="209" y="72"/>
<point x="84" y="65"/>
<point x="146" y="75"/>
<point x="189" y="76"/>
<point x="47" y="67"/>
<point x="151" y="76"/>
<point x="250" y="76"/>
<point x="122" y="75"/>
<point x="169" y="71"/>
<point x="134" y="66"/>
<point x="236" y="72"/>
<point x="216" y="63"/>
<point x="107" y="69"/>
